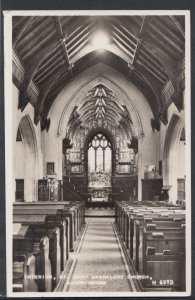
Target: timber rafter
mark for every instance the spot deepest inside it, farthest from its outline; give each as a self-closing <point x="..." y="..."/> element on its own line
<point x="55" y="49"/>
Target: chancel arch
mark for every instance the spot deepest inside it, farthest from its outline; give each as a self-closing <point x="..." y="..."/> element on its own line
<point x="100" y="117"/>
<point x="130" y="98"/>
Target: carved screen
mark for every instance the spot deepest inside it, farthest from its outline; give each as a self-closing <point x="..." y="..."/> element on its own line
<point x="99" y="161"/>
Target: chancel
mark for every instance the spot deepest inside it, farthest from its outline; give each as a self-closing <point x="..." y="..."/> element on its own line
<point x="99" y="144"/>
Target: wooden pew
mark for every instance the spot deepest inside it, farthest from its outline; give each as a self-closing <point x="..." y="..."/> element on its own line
<point x="162" y="256"/>
<point x="52" y="218"/>
<point x="73" y="216"/>
<point x="31" y="263"/>
<point x="126" y="227"/>
<point x="39" y="229"/>
<point x="32" y="219"/>
<point x="24" y="269"/>
<point x="145" y="205"/>
<point x="73" y="208"/>
<point x="156" y="226"/>
<point x="161" y="240"/>
<point x="166" y="218"/>
<point x="147" y="218"/>
<point x="81" y="213"/>
<point x="129" y="225"/>
<point x="167" y="270"/>
<point x="65" y="211"/>
<point x="146" y="213"/>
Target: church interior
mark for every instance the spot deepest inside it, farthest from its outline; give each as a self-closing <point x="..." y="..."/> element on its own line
<point x="99" y="150"/>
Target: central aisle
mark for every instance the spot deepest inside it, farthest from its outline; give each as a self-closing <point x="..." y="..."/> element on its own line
<point x="99" y="264"/>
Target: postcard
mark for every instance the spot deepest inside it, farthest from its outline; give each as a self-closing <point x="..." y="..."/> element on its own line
<point x="98" y="147"/>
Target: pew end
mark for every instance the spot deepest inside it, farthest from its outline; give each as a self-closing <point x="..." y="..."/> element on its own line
<point x="24" y="273"/>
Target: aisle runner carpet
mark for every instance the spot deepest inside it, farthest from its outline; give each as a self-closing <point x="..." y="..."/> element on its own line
<point x="99" y="264"/>
<point x="100" y="212"/>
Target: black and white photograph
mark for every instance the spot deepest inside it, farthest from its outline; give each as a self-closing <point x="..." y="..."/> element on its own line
<point x="98" y="146"/>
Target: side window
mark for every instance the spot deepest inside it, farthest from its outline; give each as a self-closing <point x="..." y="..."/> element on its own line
<point x="19" y="196"/>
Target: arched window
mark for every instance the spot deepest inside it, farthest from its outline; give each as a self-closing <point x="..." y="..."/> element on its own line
<point x="99" y="154"/>
<point x="99" y="161"/>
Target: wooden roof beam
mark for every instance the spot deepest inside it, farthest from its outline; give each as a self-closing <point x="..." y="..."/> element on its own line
<point x="166" y="38"/>
<point x="44" y="35"/>
<point x="110" y="114"/>
<point x="123" y="49"/>
<point x="77" y="37"/>
<point x="18" y="20"/>
<point x="132" y="27"/>
<point x="138" y="45"/>
<point x="124" y="44"/>
<point x="107" y="117"/>
<point x="159" y="44"/>
<point x="92" y="109"/>
<point x="179" y="39"/>
<point x="44" y="93"/>
<point x="48" y="68"/>
<point x="74" y="47"/>
<point x="81" y="51"/>
<point x="90" y="102"/>
<point x="37" y="48"/>
<point x="143" y="26"/>
<point x="158" y="105"/>
<point x="71" y="35"/>
<point x="153" y="70"/>
<point x="21" y="31"/>
<point x="129" y="40"/>
<point x="140" y="36"/>
<point x="48" y="74"/>
<point x="178" y="25"/>
<point x="114" y="109"/>
<point x="31" y="67"/>
<point x="49" y="60"/>
<point x="150" y="57"/>
<point x="32" y="31"/>
<point x="129" y="33"/>
<point x="48" y="71"/>
<point x="142" y="62"/>
<point x="160" y="69"/>
<point x="62" y="40"/>
<point x="56" y="86"/>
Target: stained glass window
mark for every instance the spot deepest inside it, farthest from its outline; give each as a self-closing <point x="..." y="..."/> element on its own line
<point x="99" y="154"/>
<point x="99" y="161"/>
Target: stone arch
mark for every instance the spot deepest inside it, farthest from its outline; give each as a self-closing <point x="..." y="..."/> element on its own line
<point x="81" y="92"/>
<point x="31" y="158"/>
<point x="170" y="155"/>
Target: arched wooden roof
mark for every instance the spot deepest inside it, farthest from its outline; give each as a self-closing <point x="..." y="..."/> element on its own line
<point x="55" y="49"/>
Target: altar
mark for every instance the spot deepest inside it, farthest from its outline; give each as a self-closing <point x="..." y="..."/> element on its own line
<point x="99" y="186"/>
<point x="99" y="194"/>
